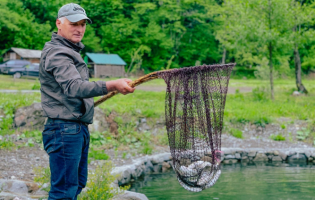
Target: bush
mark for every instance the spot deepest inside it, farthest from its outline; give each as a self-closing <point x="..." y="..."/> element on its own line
<point x="99" y="184"/>
<point x="260" y="94"/>
<point x="236" y="133"/>
<point x="98" y="154"/>
<point x="42" y="176"/>
<point x="278" y="137"/>
<point x="6" y="144"/>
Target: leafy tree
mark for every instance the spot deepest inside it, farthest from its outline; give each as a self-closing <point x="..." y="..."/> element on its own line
<point x="301" y="17"/>
<point x="18" y="27"/>
<point x="258" y="32"/>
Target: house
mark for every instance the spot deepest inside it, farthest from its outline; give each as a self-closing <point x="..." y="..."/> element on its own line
<point x="22" y="54"/>
<point x="105" y="65"/>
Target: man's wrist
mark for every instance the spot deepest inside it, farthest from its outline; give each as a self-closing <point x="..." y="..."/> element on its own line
<point x="111" y="86"/>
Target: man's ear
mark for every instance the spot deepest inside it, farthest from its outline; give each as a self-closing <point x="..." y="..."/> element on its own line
<point x="58" y="24"/>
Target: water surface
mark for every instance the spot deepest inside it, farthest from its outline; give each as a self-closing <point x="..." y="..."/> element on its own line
<point x="255" y="181"/>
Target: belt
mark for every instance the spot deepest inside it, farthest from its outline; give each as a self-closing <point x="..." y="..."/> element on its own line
<point x="50" y="120"/>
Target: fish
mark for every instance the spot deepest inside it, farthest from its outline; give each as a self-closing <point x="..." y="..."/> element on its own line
<point x="189" y="188"/>
<point x="214" y="180"/>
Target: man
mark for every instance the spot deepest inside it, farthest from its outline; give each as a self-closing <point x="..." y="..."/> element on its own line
<point x="67" y="101"/>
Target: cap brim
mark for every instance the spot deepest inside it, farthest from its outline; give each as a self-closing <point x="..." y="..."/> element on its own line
<point x="78" y="17"/>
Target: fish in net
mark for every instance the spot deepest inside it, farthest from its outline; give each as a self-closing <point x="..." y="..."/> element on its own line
<point x="194" y="108"/>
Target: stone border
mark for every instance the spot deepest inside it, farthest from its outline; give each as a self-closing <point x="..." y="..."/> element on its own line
<point x="162" y="162"/>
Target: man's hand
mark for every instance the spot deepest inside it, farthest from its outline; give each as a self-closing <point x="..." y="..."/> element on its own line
<point x="121" y="85"/>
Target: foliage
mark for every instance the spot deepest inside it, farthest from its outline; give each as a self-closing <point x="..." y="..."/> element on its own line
<point x="277" y="137"/>
<point x="9" y="103"/>
<point x="260" y="94"/>
<point x="236" y="133"/>
<point x="6" y="144"/>
<point x="98" y="154"/>
<point x="42" y="176"/>
<point x="99" y="184"/>
<point x="303" y="134"/>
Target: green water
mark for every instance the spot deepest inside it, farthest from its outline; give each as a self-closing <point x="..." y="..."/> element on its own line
<point x="255" y="181"/>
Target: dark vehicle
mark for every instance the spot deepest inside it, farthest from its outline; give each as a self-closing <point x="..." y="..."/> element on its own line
<point x="13" y="64"/>
<point x="26" y="70"/>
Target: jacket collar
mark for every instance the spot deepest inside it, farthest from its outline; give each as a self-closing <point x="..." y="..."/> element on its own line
<point x="61" y="40"/>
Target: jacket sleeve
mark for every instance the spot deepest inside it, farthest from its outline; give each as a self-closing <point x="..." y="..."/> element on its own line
<point x="61" y="66"/>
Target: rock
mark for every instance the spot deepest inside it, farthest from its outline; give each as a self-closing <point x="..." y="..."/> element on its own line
<point x="124" y="173"/>
<point x="252" y="154"/>
<point x="261" y="157"/>
<point x="157" y="168"/>
<point x="160" y="158"/>
<point x="99" y="121"/>
<point x="296" y="93"/>
<point x="149" y="167"/>
<point x="238" y="156"/>
<point x="276" y="159"/>
<point x="244" y="157"/>
<point x="230" y="161"/>
<point x="15" y="186"/>
<point x="139" y="171"/>
<point x="283" y="156"/>
<point x="32" y="187"/>
<point x="30" y="116"/>
<point x="142" y="125"/>
<point x="297" y="158"/>
<point x="227" y="157"/>
<point x="165" y="166"/>
<point x="128" y="195"/>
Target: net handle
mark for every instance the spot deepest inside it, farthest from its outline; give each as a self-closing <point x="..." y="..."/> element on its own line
<point x="133" y="84"/>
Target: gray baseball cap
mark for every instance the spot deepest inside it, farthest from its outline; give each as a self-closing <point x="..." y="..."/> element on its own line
<point x="73" y="12"/>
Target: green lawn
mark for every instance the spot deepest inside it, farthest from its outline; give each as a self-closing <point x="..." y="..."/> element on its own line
<point x="254" y="107"/>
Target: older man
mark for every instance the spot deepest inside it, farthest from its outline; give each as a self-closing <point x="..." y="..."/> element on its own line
<point x="67" y="101"/>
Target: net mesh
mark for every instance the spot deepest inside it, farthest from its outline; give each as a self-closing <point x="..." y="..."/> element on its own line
<point x="194" y="108"/>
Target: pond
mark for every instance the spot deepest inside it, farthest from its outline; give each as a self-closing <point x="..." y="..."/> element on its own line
<point x="251" y="181"/>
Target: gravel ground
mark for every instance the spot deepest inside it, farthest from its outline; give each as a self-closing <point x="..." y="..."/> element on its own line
<point x="19" y="163"/>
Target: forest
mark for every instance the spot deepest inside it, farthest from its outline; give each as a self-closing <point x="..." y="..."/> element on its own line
<point x="268" y="39"/>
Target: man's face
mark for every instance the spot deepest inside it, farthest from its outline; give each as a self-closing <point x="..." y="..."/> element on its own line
<point x="73" y="31"/>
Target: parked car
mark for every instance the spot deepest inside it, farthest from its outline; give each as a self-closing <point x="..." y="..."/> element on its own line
<point x="26" y="70"/>
<point x="14" y="63"/>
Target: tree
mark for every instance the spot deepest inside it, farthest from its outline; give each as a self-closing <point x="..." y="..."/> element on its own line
<point x="19" y="29"/>
<point x="301" y="17"/>
<point x="258" y="30"/>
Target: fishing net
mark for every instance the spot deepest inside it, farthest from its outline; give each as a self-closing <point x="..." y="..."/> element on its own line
<point x="194" y="108"/>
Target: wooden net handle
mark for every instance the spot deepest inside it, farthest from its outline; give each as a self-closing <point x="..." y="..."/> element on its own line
<point x="133" y="84"/>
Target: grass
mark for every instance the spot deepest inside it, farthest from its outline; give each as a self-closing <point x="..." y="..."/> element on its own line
<point x="236" y="133"/>
<point x="99" y="185"/>
<point x="277" y="137"/>
<point x="255" y="108"/>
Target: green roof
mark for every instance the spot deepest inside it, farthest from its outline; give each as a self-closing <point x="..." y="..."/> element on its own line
<point x="101" y="58"/>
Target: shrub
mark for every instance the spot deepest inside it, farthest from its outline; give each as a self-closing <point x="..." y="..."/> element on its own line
<point x="260" y="94"/>
<point x="6" y="144"/>
<point x="278" y="137"/>
<point x="236" y="133"/>
<point x="98" y="154"/>
<point x="99" y="184"/>
<point x="42" y="176"/>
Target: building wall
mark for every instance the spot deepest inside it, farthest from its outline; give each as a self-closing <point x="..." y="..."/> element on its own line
<point x="15" y="56"/>
<point x="102" y="71"/>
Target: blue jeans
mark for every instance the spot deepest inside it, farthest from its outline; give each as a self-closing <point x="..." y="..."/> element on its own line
<point x="67" y="145"/>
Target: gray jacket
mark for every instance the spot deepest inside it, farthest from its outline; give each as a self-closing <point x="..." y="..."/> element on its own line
<point x="66" y="92"/>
